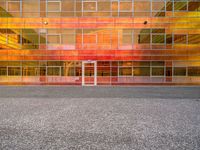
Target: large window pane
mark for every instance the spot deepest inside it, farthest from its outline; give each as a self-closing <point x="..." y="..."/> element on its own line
<point x="141" y="71"/>
<point x="14" y="71"/>
<point x="13" y="6"/>
<point x="144" y="6"/>
<point x="180" y="39"/>
<point x="89" y="6"/>
<point x="179" y="71"/>
<point x="104" y="6"/>
<point x="53" y="71"/>
<point x="180" y="6"/>
<point x="30" y="8"/>
<point x="125" y="71"/>
<point x="3" y="71"/>
<point x="53" y="39"/>
<point x="193" y="71"/>
<point x="157" y="71"/>
<point x="54" y="6"/>
<point x="158" y="39"/>
<point x="30" y="71"/>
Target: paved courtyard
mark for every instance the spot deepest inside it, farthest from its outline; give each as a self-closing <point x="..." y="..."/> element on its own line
<point x="99" y="118"/>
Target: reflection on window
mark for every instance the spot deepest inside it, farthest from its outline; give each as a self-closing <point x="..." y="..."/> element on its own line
<point x="180" y="6"/>
<point x="103" y="71"/>
<point x="158" y="39"/>
<point x="194" y="6"/>
<point x="179" y="71"/>
<point x="193" y="38"/>
<point x="104" y="6"/>
<point x="53" y="71"/>
<point x="141" y="71"/>
<point x="157" y="71"/>
<point x="13" y="6"/>
<point x="53" y="39"/>
<point x="14" y="71"/>
<point x="125" y="71"/>
<point x="89" y="6"/>
<point x="180" y="38"/>
<point x="193" y="71"/>
<point x="144" y="38"/>
<point x="30" y="8"/>
<point x="30" y="71"/>
<point x="144" y="6"/>
<point x="3" y="71"/>
<point x="158" y="6"/>
<point x="125" y="6"/>
<point x="54" y="6"/>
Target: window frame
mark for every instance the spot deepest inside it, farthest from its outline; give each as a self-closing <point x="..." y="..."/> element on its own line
<point x="54" y="11"/>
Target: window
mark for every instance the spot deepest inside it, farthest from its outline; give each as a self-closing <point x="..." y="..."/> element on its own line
<point x="193" y="38"/>
<point x="180" y="39"/>
<point x="180" y="6"/>
<point x="13" y="6"/>
<point x="157" y="71"/>
<point x="30" y="71"/>
<point x="144" y="6"/>
<point x="89" y="6"/>
<point x="126" y="39"/>
<point x="169" y="6"/>
<point x="125" y="71"/>
<point x="30" y="8"/>
<point x="158" y="38"/>
<point x="141" y="63"/>
<point x="68" y="41"/>
<point x="194" y="6"/>
<point x="53" y="39"/>
<point x="169" y="38"/>
<point x="103" y="71"/>
<point x="53" y="71"/>
<point x="68" y="69"/>
<point x="89" y="36"/>
<point x="179" y="71"/>
<point x="158" y="6"/>
<point x="3" y="71"/>
<point x="157" y="68"/>
<point x="14" y="71"/>
<point x="104" y="6"/>
<point x="125" y="6"/>
<point x="193" y="71"/>
<point x="30" y="38"/>
<point x="141" y="71"/>
<point x="157" y="63"/>
<point x="54" y="6"/>
<point x="144" y="38"/>
<point x="68" y="5"/>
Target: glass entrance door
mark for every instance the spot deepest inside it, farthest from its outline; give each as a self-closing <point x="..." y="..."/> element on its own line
<point x="89" y="73"/>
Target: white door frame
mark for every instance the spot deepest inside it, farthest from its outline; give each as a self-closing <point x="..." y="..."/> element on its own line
<point x="83" y="73"/>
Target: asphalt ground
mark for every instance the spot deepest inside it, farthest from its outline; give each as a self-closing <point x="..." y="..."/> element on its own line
<point x="99" y="118"/>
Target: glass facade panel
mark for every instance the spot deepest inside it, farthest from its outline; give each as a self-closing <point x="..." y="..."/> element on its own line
<point x="131" y="41"/>
<point x="179" y="71"/>
<point x="157" y="71"/>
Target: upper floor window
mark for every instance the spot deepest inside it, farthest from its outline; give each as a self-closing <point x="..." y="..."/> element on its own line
<point x="90" y="6"/>
<point x="13" y="6"/>
<point x="54" y="6"/>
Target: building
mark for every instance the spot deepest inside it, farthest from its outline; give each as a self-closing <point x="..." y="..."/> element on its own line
<point x="100" y="42"/>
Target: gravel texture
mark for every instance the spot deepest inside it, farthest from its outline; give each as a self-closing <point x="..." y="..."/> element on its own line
<point x="139" y="118"/>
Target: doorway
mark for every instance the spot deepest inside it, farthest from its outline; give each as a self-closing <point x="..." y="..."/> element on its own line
<point x="89" y="73"/>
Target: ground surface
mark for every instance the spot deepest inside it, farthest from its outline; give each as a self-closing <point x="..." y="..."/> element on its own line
<point x="100" y="118"/>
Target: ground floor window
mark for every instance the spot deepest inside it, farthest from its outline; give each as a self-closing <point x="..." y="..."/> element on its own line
<point x="103" y="69"/>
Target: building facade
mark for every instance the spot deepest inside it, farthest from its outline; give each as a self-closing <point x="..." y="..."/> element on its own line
<point x="100" y="42"/>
